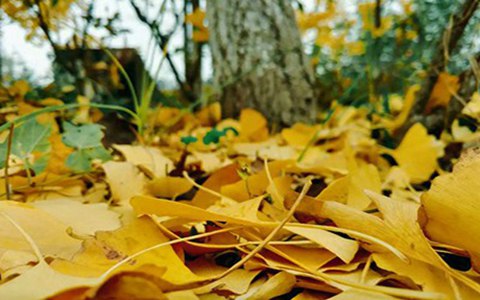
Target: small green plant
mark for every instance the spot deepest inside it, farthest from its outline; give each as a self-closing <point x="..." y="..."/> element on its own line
<point x="87" y="142"/>
<point x="187" y="140"/>
<point x="214" y="135"/>
<point x="211" y="137"/>
<point x="29" y="139"/>
<point x="32" y="138"/>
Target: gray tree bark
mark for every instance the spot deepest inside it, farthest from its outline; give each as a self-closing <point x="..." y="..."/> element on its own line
<point x="259" y="62"/>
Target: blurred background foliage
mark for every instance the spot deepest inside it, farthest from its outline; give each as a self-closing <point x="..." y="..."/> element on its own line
<point x="360" y="56"/>
<point x="362" y="51"/>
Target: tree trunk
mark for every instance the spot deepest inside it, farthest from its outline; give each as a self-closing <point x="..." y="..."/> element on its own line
<point x="259" y="61"/>
<point x="193" y="52"/>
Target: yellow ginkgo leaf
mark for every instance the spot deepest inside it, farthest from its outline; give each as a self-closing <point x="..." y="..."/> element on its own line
<point x="472" y="109"/>
<point x="49" y="233"/>
<point x="125" y="181"/>
<point x="463" y="133"/>
<point x="405" y="108"/>
<point x="81" y="218"/>
<point x="417" y="153"/>
<point x="58" y="155"/>
<point x="201" y="36"/>
<point x="344" y="248"/>
<point x="299" y="135"/>
<point x="210" y="114"/>
<point x="41" y="282"/>
<point x="311" y="20"/>
<point x="219" y="178"/>
<point x="237" y="282"/>
<point x="169" y="187"/>
<point x="399" y="227"/>
<point x="446" y="86"/>
<point x="354" y="294"/>
<point x="337" y="191"/>
<point x="108" y="248"/>
<point x="196" y="18"/>
<point x="430" y="278"/>
<point x="349" y="189"/>
<point x="149" y="157"/>
<point x="253" y="125"/>
<point x="364" y="177"/>
<point x="19" y="88"/>
<point x="279" y="284"/>
<point x="452" y="205"/>
<point x="255" y="184"/>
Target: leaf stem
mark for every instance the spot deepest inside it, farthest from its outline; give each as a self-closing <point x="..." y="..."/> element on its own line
<point x="27" y="237"/>
<point x="29" y="174"/>
<point x="272" y="234"/>
<point x="69" y="106"/>
<point x="7" y="158"/>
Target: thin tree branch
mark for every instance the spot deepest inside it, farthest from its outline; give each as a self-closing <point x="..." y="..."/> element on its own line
<point x="378" y="13"/>
<point x="9" y="150"/>
<point x="446" y="44"/>
<point x="88" y="22"/>
<point x="192" y="51"/>
<point x="46" y="31"/>
<point x="44" y="26"/>
<point x="454" y="33"/>
<point x="162" y="41"/>
<point x="468" y="84"/>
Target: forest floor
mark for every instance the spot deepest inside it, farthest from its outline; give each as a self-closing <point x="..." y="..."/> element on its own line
<point x="211" y="208"/>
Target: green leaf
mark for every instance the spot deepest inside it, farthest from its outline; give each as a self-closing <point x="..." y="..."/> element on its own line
<point x="82" y="137"/>
<point x="213" y="136"/>
<point x="87" y="141"/>
<point x="29" y="138"/>
<point x="81" y="160"/>
<point x="188" y="139"/>
<point x="227" y="129"/>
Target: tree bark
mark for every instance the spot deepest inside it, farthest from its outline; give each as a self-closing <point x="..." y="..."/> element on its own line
<point x="259" y="61"/>
<point x="192" y="52"/>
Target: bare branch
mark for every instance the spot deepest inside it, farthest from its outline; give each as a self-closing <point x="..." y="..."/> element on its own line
<point x="446" y="44"/>
<point x="378" y="13"/>
<point x="468" y="84"/>
<point x="44" y="26"/>
<point x="162" y="40"/>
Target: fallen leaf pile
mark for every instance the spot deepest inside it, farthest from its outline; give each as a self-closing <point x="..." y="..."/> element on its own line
<point x="226" y="209"/>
